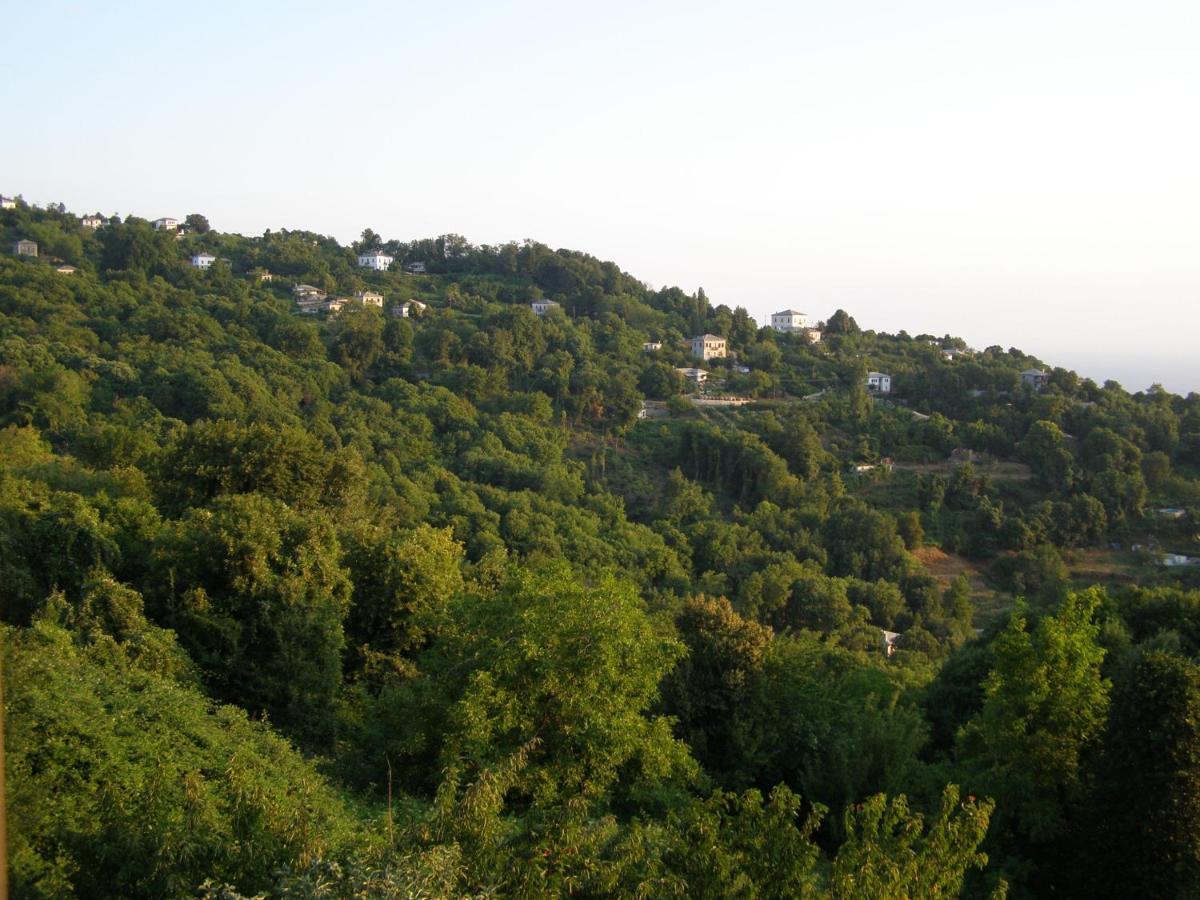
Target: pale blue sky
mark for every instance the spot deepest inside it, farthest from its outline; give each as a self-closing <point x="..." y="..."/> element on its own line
<point x="1017" y="173"/>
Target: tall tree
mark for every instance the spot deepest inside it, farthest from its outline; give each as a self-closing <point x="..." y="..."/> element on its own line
<point x="1045" y="703"/>
<point x="1142" y="838"/>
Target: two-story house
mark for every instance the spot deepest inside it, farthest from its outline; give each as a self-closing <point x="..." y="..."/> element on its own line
<point x="375" y="259"/>
<point x="165" y="224"/>
<point x="789" y="320"/>
<point x="695" y="376"/>
<point x="708" y="346"/>
<point x="1034" y="378"/>
<point x="879" y="383"/>
<point x="408" y="310"/>
<point x="25" y="247"/>
<point x="541" y="307"/>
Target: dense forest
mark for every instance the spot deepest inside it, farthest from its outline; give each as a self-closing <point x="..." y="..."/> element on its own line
<point x="475" y="602"/>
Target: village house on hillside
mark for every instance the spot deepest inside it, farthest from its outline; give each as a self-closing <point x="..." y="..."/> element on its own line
<point x="92" y="221"/>
<point x="696" y="376"/>
<point x="408" y="309"/>
<point x="653" y="409"/>
<point x="415" y="268"/>
<point x="65" y="270"/>
<point x="1034" y="378"/>
<point x="369" y="298"/>
<point x="165" y="224"/>
<point x="375" y="259"/>
<point x="300" y="291"/>
<point x="789" y="320"/>
<point x="203" y="260"/>
<point x="8" y="203"/>
<point x="708" y="346"/>
<point x="309" y="299"/>
<point x="879" y="383"/>
<point x="792" y="321"/>
<point x="889" y="641"/>
<point x="25" y="247"/>
<point x="541" y="307"/>
<point x="650" y="346"/>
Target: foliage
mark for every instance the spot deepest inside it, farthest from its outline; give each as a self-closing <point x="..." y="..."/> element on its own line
<point x="446" y="554"/>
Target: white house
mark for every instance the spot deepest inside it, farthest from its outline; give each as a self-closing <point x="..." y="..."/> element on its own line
<point x="1034" y="378"/>
<point x="92" y="221"/>
<point x="375" y="259"/>
<point x="695" y="376"/>
<point x="789" y="320"/>
<point x="708" y="346"/>
<point x="889" y="640"/>
<point x="879" y="383"/>
<point x="408" y="310"/>
<point x="335" y="304"/>
<point x="541" y="307"/>
<point x="165" y="224"/>
<point x="415" y="268"/>
<point x="8" y="203"/>
<point x="369" y="298"/>
<point x="66" y="270"/>
<point x="25" y="247"/>
<point x="203" y="260"/>
<point x="813" y="335"/>
<point x="651" y="346"/>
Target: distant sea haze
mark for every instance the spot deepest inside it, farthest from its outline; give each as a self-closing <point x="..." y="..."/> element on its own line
<point x="1178" y="374"/>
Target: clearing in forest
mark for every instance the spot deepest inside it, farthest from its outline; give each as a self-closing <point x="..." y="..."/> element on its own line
<point x="989" y="603"/>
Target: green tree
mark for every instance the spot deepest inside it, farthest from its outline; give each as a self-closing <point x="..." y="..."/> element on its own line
<point x="1141" y="837"/>
<point x="745" y="846"/>
<point x="211" y="459"/>
<point x="863" y="542"/>
<point x="841" y="323"/>
<point x="1045" y="702"/>
<point x="356" y="340"/>
<point x="125" y="782"/>
<point x="709" y="685"/>
<point x="891" y="853"/>
<point x="910" y="530"/>
<point x="197" y="224"/>
<point x="256" y="592"/>
<point x="565" y="667"/>
<point x="1114" y="473"/>
<point x="660" y="381"/>
<point x="402" y="584"/>
<point x="1045" y="449"/>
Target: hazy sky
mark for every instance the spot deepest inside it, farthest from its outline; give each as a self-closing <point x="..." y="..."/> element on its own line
<point x="1017" y="173"/>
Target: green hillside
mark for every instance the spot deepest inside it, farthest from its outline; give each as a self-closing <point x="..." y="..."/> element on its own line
<point x="310" y="599"/>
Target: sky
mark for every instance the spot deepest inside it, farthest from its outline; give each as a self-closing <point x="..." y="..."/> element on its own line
<point x="1022" y="173"/>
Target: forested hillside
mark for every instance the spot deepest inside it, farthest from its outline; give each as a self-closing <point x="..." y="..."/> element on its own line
<point x="355" y="604"/>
